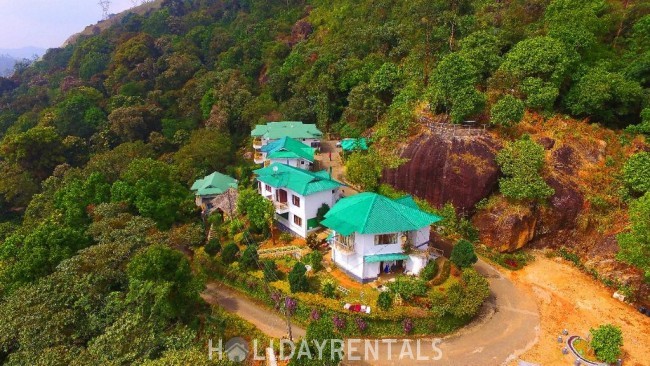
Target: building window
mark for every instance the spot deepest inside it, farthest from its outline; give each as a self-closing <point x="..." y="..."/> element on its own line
<point x="295" y="200"/>
<point x="297" y="220"/>
<point x="384" y="239"/>
<point x="268" y="188"/>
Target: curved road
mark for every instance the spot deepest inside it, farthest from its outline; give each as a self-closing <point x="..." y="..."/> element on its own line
<point x="508" y="326"/>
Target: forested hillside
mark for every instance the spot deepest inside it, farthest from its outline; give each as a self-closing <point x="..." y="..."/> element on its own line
<point x="101" y="139"/>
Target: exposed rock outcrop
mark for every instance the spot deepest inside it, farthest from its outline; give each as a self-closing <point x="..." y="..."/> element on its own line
<point x="442" y="169"/>
<point x="505" y="227"/>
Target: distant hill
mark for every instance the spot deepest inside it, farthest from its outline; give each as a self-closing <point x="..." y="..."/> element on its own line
<point x="23" y="52"/>
<point x="9" y="56"/>
<point x="6" y="65"/>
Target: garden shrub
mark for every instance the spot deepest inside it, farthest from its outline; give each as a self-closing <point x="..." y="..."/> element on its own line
<point x="297" y="279"/>
<point x="249" y="258"/>
<point x="606" y="341"/>
<point x="444" y="274"/>
<point x="212" y="247"/>
<point x="463" y="255"/>
<point x="328" y="287"/>
<point x="312" y="241"/>
<point x="286" y="237"/>
<point x="385" y="301"/>
<point x="636" y="172"/>
<point x="429" y="271"/>
<point x="408" y="287"/>
<point x="229" y="253"/>
<point x="315" y="260"/>
<point x="270" y="270"/>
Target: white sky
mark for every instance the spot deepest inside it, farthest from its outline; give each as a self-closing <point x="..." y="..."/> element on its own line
<point x="48" y="23"/>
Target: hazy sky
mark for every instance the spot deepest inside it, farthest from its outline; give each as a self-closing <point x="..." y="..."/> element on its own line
<point x="48" y="23"/>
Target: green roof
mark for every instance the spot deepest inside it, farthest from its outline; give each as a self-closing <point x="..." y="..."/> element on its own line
<point x="287" y="147"/>
<point x="371" y="213"/>
<point x="213" y="184"/>
<point x="374" y="258"/>
<point x="354" y="144"/>
<point x="293" y="129"/>
<point x="298" y="180"/>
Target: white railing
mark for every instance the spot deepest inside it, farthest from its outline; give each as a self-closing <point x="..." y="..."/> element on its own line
<point x="343" y="247"/>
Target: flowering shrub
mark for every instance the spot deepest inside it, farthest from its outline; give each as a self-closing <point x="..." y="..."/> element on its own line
<point x="361" y="324"/>
<point x="339" y="322"/>
<point x="315" y="315"/>
<point x="290" y="304"/>
<point x="407" y="324"/>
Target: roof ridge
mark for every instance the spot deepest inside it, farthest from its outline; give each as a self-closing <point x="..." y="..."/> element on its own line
<point x="371" y="206"/>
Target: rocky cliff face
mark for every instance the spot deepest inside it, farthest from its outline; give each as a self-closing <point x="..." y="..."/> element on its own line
<point x="442" y="169"/>
<point x="580" y="167"/>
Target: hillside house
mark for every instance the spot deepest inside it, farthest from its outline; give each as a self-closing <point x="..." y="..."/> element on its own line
<point x="216" y="192"/>
<point x="287" y="151"/>
<point x="297" y="195"/>
<point x="308" y="134"/>
<point x="373" y="234"/>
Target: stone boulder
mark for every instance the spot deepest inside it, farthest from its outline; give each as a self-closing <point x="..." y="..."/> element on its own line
<point x="441" y="169"/>
<point x="506" y="227"/>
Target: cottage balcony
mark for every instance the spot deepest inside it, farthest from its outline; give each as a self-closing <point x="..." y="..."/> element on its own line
<point x="258" y="158"/>
<point x="257" y="143"/>
<point x="281" y="207"/>
<point x="344" y="248"/>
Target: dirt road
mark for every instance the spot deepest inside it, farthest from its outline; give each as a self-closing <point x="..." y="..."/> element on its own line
<point x="570" y="299"/>
<point x="509" y="327"/>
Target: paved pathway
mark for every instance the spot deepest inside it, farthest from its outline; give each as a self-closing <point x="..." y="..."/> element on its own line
<point x="263" y="318"/>
<point x="508" y="326"/>
<point x="338" y="168"/>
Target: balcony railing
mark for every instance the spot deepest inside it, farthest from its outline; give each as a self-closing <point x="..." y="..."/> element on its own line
<point x="345" y="248"/>
<point x="259" y="158"/>
<point x="281" y="207"/>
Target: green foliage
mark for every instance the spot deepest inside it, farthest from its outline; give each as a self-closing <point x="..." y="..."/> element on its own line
<point x="75" y="197"/>
<point x="319" y="332"/>
<point x="636" y="172"/>
<point x="463" y="255"/>
<point x="270" y="270"/>
<point x="454" y="81"/>
<point x="37" y="151"/>
<point x="37" y="253"/>
<point x="321" y="212"/>
<point x="315" y="260"/>
<point x="607" y="341"/>
<point x="205" y="152"/>
<point x="328" y="288"/>
<point x="363" y="170"/>
<point x="445" y="271"/>
<point x="259" y="210"/>
<point x="605" y="95"/>
<point x="229" y="253"/>
<point x="286" y="237"/>
<point x="385" y="301"/>
<point x="429" y="271"/>
<point x="152" y="188"/>
<point x="408" y="287"/>
<point x="507" y="111"/>
<point x="212" y="247"/>
<point x="298" y="279"/>
<point x="521" y="162"/>
<point x="465" y="299"/>
<point x="162" y="284"/>
<point x="634" y="244"/>
<point x="249" y="258"/>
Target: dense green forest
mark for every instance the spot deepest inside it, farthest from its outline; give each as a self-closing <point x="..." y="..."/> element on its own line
<point x="100" y="139"/>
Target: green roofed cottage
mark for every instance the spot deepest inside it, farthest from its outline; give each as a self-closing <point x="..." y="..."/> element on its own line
<point x="287" y="151"/>
<point x="374" y="234"/>
<point x="262" y="135"/>
<point x="216" y="192"/>
<point x="297" y="194"/>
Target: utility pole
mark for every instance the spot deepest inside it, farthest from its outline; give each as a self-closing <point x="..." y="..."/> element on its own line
<point x="105" y="4"/>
